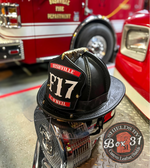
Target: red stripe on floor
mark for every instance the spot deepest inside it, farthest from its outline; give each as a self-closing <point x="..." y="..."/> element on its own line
<point x="112" y="66"/>
<point x="19" y="91"/>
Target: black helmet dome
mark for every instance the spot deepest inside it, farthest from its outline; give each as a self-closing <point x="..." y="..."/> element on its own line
<point x="79" y="87"/>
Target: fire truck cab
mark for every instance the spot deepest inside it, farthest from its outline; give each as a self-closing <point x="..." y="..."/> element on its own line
<point x="133" y="61"/>
<point x="35" y="30"/>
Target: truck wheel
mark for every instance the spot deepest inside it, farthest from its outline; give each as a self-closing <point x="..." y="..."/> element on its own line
<point x="98" y="39"/>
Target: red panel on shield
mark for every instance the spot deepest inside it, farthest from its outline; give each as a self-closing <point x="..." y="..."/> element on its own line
<point x="61" y="103"/>
<point x="65" y="69"/>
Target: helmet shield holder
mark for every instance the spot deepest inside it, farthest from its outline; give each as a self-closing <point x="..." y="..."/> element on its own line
<point x="75" y="105"/>
<point x="68" y="144"/>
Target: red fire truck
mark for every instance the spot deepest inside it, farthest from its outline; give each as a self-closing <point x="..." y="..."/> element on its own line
<point x="133" y="60"/>
<point x="35" y="30"/>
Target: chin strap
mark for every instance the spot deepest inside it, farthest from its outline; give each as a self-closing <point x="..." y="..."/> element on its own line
<point x="73" y="55"/>
<point x="99" y="124"/>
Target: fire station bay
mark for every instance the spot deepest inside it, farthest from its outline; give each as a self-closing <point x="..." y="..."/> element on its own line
<point x="74" y="84"/>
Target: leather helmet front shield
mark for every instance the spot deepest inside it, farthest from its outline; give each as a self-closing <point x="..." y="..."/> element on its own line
<point x="65" y="83"/>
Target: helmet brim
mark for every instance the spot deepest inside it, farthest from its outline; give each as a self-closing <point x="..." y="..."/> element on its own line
<point x="115" y="95"/>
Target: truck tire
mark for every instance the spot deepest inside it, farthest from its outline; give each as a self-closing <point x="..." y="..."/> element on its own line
<point x="98" y="39"/>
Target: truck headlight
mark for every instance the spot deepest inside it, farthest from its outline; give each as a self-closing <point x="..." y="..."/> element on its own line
<point x="135" y="41"/>
<point x="10" y="15"/>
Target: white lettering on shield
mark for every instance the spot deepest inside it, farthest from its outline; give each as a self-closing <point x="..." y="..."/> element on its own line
<point x="53" y="79"/>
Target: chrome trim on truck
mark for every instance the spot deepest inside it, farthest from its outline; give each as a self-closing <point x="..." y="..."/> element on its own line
<point x="6" y="45"/>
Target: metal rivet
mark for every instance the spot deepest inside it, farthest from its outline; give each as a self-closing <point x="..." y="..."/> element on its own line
<point x="43" y="101"/>
<point x="71" y="115"/>
<point x="48" y="85"/>
<point x="77" y="96"/>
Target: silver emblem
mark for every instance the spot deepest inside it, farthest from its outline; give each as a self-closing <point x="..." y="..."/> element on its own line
<point x="76" y="16"/>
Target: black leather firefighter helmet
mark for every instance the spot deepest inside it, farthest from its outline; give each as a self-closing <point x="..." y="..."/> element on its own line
<point x="79" y="87"/>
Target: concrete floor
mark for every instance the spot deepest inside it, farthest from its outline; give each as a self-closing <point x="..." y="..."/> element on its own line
<point x="17" y="133"/>
<point x="14" y="78"/>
